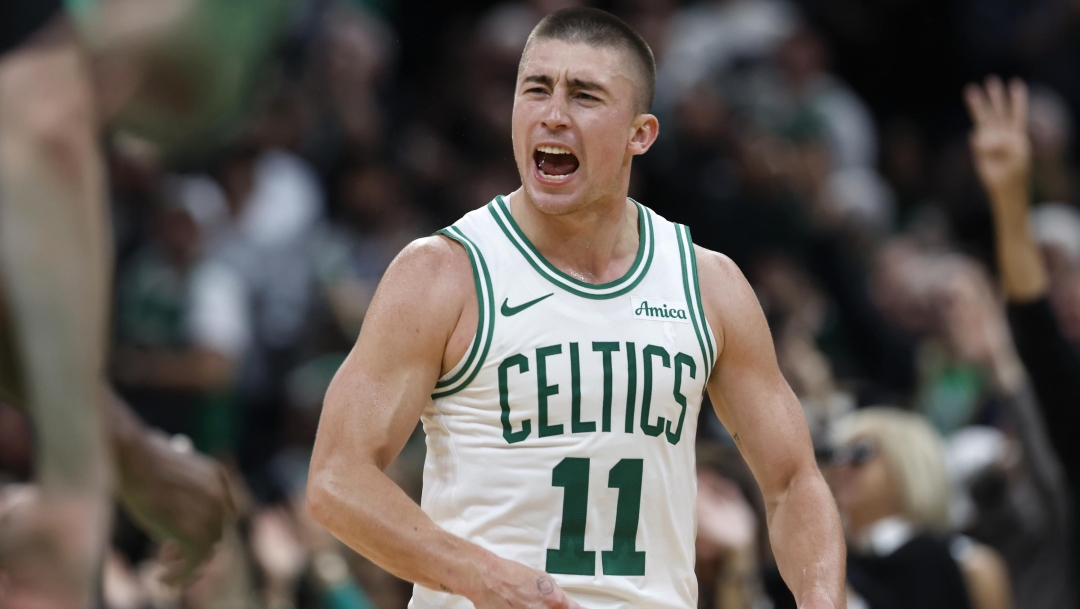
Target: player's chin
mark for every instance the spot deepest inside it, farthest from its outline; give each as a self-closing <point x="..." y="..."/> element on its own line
<point x="555" y="201"/>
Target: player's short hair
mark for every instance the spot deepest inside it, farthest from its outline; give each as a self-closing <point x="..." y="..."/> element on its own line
<point x="598" y="28"/>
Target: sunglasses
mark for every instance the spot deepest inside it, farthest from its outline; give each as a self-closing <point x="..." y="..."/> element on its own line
<point x="856" y="454"/>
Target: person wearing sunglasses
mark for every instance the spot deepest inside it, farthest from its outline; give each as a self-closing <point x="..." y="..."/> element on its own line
<point x="888" y="474"/>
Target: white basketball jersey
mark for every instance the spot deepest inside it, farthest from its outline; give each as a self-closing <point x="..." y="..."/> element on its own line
<point x="564" y="439"/>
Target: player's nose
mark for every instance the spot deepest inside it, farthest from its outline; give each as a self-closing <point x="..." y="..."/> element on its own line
<point x="555" y="116"/>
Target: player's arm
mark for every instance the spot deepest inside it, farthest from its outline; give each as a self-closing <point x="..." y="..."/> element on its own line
<point x="371" y="409"/>
<point x="766" y="420"/>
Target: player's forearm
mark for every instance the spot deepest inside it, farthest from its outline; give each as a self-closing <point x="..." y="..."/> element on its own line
<point x="808" y="541"/>
<point x="1023" y="273"/>
<point x="373" y="516"/>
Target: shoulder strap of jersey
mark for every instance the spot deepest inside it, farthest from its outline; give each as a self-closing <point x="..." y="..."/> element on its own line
<point x="466" y="370"/>
<point x="688" y="259"/>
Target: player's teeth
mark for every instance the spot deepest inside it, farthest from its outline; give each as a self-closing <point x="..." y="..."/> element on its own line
<point x="556" y="178"/>
<point x="553" y="150"/>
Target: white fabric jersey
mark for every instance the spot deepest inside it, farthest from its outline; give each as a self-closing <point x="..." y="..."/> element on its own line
<point x="564" y="439"/>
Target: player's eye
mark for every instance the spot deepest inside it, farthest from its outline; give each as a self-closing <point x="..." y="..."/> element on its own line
<point x="536" y="90"/>
<point x="586" y="97"/>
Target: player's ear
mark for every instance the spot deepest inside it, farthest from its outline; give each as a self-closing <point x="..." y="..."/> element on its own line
<point x="643" y="133"/>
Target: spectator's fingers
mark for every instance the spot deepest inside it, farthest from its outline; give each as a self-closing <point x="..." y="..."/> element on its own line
<point x="999" y="107"/>
<point x="1018" y="103"/>
<point x="977" y="105"/>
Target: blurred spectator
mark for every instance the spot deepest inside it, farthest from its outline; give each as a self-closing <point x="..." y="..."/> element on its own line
<point x="711" y="39"/>
<point x="1003" y="159"/>
<point x="811" y="344"/>
<point x="1050" y="124"/>
<point x="802" y="89"/>
<point x="732" y="537"/>
<point x="893" y="493"/>
<point x="968" y="354"/>
<point x="182" y="330"/>
<point x="1018" y="488"/>
<point x="377" y="221"/>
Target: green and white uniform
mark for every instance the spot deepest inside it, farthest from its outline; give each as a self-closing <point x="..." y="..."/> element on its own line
<point x="564" y="439"/>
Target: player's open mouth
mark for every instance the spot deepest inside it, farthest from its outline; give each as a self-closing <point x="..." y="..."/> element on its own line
<point x="555" y="163"/>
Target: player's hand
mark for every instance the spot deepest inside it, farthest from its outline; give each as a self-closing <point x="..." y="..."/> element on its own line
<point x="183" y="497"/>
<point x="512" y="585"/>
<point x="999" y="142"/>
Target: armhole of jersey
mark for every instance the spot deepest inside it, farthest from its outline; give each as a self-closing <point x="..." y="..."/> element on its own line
<point x="466" y="370"/>
<point x="688" y="258"/>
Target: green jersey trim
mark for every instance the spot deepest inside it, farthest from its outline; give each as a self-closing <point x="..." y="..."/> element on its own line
<point x="688" y="258"/>
<point x="464" y="373"/>
<point x="709" y="339"/>
<point x="646" y="245"/>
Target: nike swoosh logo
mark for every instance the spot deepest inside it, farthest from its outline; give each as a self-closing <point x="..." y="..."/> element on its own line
<point x="507" y="310"/>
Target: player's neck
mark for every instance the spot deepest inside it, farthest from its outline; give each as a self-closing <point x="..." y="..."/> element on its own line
<point x="596" y="245"/>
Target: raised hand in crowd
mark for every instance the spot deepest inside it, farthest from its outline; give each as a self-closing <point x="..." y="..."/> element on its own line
<point x="1001" y="151"/>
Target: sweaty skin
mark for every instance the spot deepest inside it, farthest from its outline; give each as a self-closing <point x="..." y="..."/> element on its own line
<point x="424" y="315"/>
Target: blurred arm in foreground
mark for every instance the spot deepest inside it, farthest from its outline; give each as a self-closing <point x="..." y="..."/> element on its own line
<point x="55" y="258"/>
<point x="54" y="250"/>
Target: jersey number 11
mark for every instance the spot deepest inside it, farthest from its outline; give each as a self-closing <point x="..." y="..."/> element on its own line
<point x="572" y="474"/>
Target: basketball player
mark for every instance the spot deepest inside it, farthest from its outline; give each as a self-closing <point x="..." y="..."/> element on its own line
<point x="556" y="344"/>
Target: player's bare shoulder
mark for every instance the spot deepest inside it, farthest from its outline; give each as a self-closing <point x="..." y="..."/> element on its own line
<point x="436" y="262"/>
<point x="725" y="292"/>
<point x="429" y="287"/>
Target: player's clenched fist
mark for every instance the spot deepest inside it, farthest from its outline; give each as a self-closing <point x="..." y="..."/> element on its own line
<point x="999" y="142"/>
<point x="512" y="585"/>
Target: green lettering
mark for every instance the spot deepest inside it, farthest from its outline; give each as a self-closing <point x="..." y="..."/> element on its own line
<point x="572" y="474"/>
<point x="631" y="385"/>
<point x="646" y="392"/>
<point x="576" y="424"/>
<point x="606" y="349"/>
<point x="624" y="557"/>
<point x="681" y="359"/>
<point x="522" y="363"/>
<point x="544" y="391"/>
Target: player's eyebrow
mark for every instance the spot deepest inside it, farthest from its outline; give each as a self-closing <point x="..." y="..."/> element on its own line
<point x="575" y="83"/>
<point x="587" y="85"/>
<point x="540" y="79"/>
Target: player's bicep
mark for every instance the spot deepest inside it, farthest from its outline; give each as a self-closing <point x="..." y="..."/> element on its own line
<point x="380" y="391"/>
<point x="750" y="395"/>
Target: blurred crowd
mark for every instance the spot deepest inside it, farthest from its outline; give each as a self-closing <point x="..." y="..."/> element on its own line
<point x="821" y="144"/>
